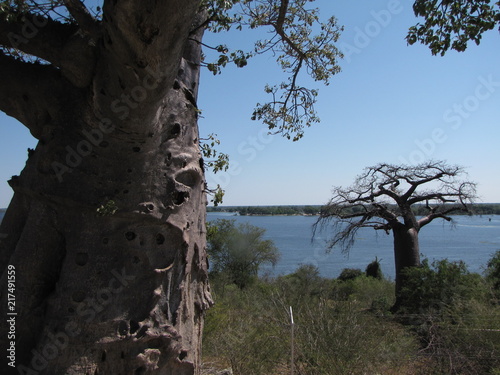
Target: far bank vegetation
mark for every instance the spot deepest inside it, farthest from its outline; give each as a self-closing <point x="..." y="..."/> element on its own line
<point x="479" y="209"/>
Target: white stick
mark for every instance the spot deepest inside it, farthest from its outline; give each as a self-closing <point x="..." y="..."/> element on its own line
<point x="292" y="329"/>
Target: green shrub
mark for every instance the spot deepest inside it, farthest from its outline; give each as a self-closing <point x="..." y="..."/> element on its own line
<point x="363" y="289"/>
<point x="450" y="311"/>
<point x="349" y="274"/>
<point x="237" y="251"/>
<point x="303" y="284"/>
<point x="439" y="287"/>
<point x="374" y="270"/>
<point x="493" y="272"/>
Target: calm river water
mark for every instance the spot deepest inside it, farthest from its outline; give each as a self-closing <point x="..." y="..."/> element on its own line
<point x="472" y="239"/>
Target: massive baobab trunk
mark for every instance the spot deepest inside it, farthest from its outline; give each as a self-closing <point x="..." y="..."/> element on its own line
<point x="106" y="229"/>
<point x="406" y="253"/>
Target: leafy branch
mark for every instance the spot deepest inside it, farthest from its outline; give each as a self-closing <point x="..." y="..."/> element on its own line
<point x="300" y="42"/>
<point x="452" y="24"/>
<point x="216" y="161"/>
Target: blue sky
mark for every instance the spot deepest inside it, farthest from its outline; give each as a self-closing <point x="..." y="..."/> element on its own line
<point x="391" y="103"/>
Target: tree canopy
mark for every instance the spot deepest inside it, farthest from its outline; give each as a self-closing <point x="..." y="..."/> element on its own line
<point x="382" y="198"/>
<point x="453" y="24"/>
<point x="300" y="42"/>
<point x="239" y="250"/>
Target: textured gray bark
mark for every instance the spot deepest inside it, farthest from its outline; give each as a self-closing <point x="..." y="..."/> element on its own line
<point x="406" y="253"/>
<point x="117" y="292"/>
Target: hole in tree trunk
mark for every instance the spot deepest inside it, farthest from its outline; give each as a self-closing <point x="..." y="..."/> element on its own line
<point x="130" y="236"/>
<point x="160" y="239"/>
<point x="189" y="178"/>
<point x="78" y="296"/>
<point x="174" y="131"/>
<point x="122" y="330"/>
<point x="180" y="197"/>
<point x="134" y="326"/>
<point x="81" y="259"/>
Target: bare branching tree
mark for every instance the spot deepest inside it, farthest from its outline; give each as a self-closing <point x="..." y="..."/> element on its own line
<point x="382" y="198"/>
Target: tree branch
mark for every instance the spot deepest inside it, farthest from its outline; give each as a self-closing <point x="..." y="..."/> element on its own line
<point x="29" y="91"/>
<point x="443" y="197"/>
<point x="35" y="35"/>
<point x="442" y="214"/>
<point x="51" y="41"/>
<point x="416" y="184"/>
<point x="83" y="17"/>
<point x="278" y="26"/>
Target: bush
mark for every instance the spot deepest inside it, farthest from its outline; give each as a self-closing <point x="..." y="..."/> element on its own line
<point x="305" y="282"/>
<point x="493" y="272"/>
<point x="363" y="289"/>
<point x="374" y="270"/>
<point x="450" y="311"/>
<point x="236" y="252"/>
<point x="440" y="287"/>
<point x="349" y="274"/>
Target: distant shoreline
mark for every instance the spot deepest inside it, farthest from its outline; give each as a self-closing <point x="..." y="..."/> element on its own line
<point x="314" y="210"/>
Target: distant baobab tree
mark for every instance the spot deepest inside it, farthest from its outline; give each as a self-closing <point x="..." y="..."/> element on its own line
<point x="382" y="198"/>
